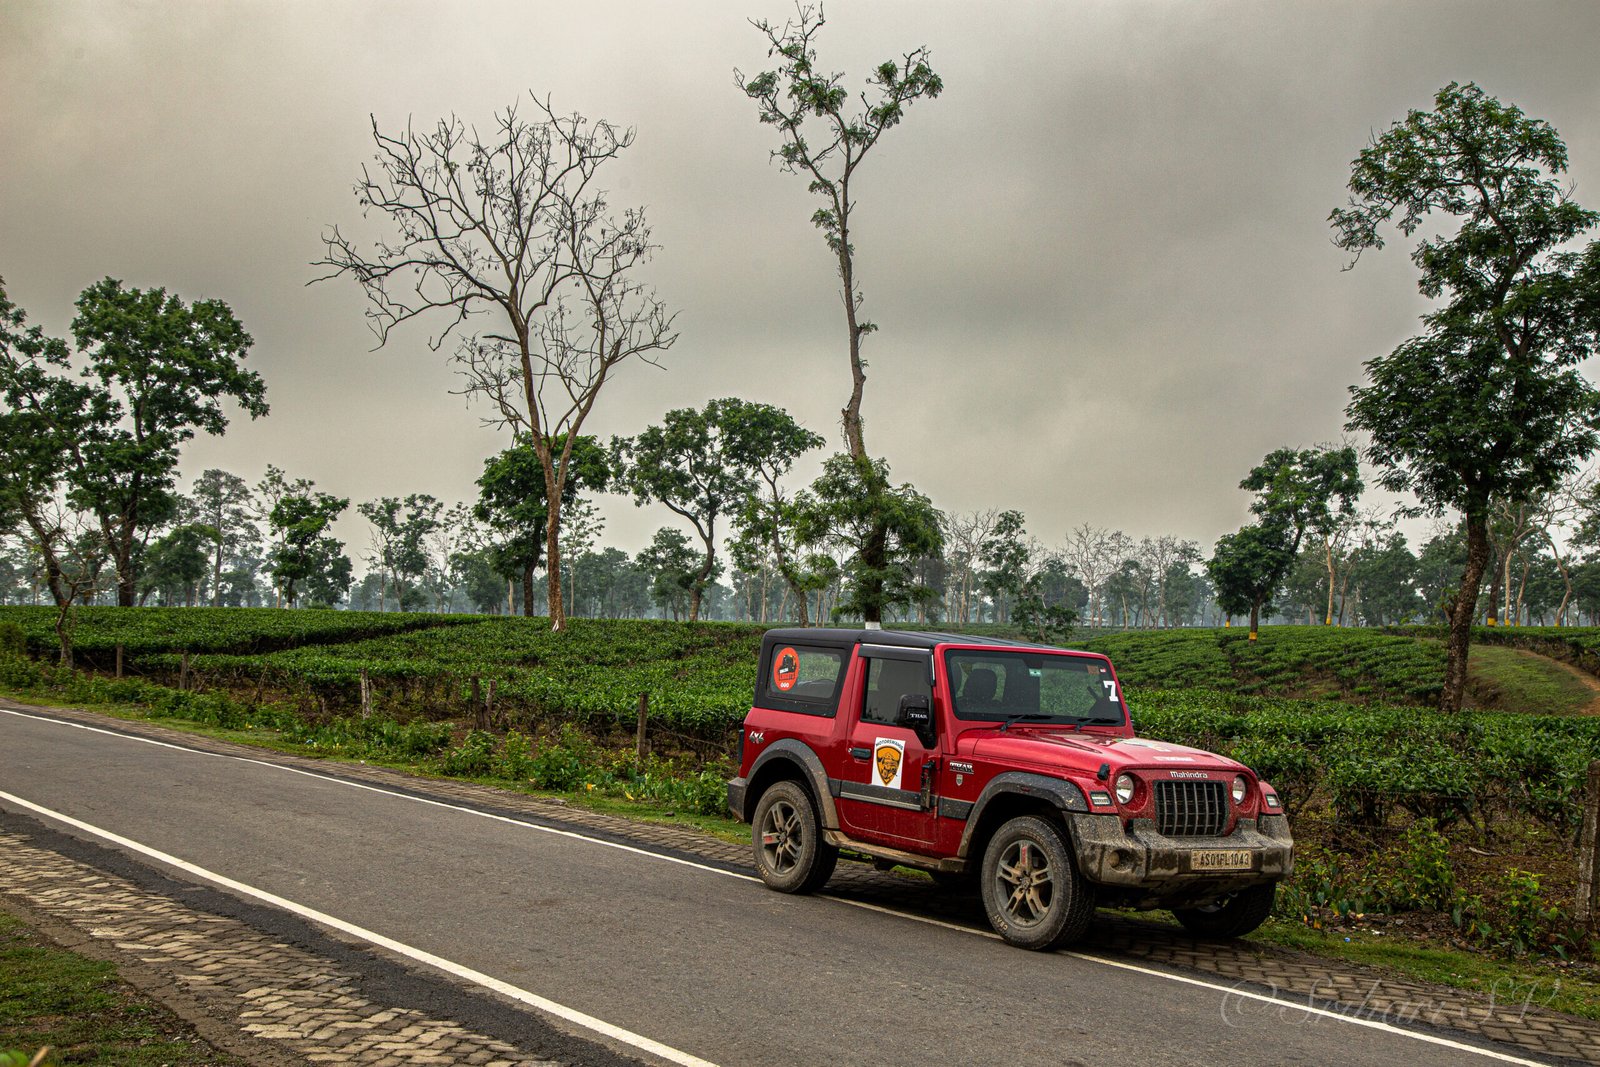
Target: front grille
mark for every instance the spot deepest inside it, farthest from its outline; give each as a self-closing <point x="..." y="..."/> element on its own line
<point x="1191" y="809"/>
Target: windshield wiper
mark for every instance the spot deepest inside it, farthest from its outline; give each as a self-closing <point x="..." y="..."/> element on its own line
<point x="1029" y="716"/>
<point x="1079" y="721"/>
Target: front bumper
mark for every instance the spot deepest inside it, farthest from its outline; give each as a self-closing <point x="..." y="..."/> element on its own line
<point x="1149" y="863"/>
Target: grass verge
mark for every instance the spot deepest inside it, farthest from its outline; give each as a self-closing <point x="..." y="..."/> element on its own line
<point x="83" y="1012"/>
<point x="1570" y="988"/>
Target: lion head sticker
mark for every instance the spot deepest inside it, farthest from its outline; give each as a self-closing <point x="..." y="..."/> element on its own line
<point x="888" y="754"/>
<point x="785" y="669"/>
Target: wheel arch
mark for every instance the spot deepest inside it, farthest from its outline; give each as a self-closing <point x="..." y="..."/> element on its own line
<point x="1013" y="794"/>
<point x="793" y="760"/>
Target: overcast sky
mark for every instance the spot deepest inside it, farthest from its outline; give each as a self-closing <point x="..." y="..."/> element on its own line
<point x="1100" y="260"/>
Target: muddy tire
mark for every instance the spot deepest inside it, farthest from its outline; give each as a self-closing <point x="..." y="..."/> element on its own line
<point x="1233" y="916"/>
<point x="786" y="835"/>
<point x="1032" y="891"/>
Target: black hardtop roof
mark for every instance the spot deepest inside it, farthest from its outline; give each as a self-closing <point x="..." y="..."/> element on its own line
<point x="845" y="638"/>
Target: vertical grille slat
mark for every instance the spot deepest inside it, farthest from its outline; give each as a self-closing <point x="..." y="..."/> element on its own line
<point x="1191" y="809"/>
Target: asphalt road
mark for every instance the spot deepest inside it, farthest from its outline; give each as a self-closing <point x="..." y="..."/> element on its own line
<point x="703" y="961"/>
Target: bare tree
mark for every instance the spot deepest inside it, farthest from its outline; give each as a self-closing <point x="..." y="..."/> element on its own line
<point x="1553" y="513"/>
<point x="1094" y="554"/>
<point x="512" y="225"/>
<point x="964" y="537"/>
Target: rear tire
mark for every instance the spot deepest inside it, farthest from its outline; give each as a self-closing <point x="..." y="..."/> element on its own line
<point x="786" y="835"/>
<point x="1032" y="891"/>
<point x="1233" y="916"/>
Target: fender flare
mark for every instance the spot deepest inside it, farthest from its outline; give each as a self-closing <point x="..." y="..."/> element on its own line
<point x="1064" y="795"/>
<point x="809" y="763"/>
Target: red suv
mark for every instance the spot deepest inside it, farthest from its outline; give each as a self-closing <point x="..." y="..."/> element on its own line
<point x="1016" y="763"/>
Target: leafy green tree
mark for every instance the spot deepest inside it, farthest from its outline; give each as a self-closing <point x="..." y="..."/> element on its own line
<point x="769" y="517"/>
<point x="178" y="562"/>
<point x="44" y="417"/>
<point x="401" y="529"/>
<point x="673" y="566"/>
<point x="1005" y="555"/>
<point x="223" y="501"/>
<point x="707" y="464"/>
<point x="473" y="572"/>
<point x="1186" y="593"/>
<point x="824" y="141"/>
<point x="165" y="368"/>
<point x="886" y="529"/>
<point x="615" y="586"/>
<point x="1305" y="491"/>
<point x="1488" y="401"/>
<point x="1123" y="588"/>
<point x="1439" y="565"/>
<point x="1248" y="567"/>
<point x="512" y="504"/>
<point x="1298" y="491"/>
<point x="1305" y="587"/>
<point x="1385" y="575"/>
<point x="308" y="560"/>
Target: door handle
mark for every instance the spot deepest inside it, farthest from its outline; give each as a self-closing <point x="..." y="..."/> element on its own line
<point x="861" y="753"/>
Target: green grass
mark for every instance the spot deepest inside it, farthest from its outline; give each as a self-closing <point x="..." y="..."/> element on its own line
<point x="76" y="1005"/>
<point x="1516" y="679"/>
<point x="1511" y="982"/>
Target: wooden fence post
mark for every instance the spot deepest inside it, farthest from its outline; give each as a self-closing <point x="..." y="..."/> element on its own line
<point x="119" y="659"/>
<point x="641" y="745"/>
<point x="1588" y="909"/>
<point x="183" y="674"/>
<point x="366" y="695"/>
<point x="488" y="706"/>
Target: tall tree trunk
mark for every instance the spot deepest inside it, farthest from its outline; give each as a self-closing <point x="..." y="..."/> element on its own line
<point x="698" y="591"/>
<point x="552" y="542"/>
<point x="527" y="590"/>
<point x="1255" y="620"/>
<point x="1494" y="581"/>
<point x="1463" y="611"/>
<point x="1328" y="550"/>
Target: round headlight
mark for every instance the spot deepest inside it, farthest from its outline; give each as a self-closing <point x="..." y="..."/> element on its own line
<point x="1239" y="787"/>
<point x="1124" y="788"/>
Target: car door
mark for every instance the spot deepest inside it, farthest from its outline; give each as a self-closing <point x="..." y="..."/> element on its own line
<point x="881" y="796"/>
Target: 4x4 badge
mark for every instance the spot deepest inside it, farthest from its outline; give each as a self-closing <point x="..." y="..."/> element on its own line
<point x="757" y="736"/>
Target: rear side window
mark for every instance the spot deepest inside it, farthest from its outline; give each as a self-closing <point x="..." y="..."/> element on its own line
<point x="803" y="678"/>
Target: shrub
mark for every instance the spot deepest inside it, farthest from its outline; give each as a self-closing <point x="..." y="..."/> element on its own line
<point x="473" y="758"/>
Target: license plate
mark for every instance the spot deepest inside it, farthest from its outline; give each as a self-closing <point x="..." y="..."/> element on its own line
<point x="1219" y="859"/>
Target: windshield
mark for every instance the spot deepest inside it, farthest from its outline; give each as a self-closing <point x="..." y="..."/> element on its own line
<point x="1032" y="687"/>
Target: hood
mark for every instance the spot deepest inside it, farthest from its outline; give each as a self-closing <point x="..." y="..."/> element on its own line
<point x="1056" y="748"/>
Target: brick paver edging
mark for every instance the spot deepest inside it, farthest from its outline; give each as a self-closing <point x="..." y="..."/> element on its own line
<point x="1516" y="1020"/>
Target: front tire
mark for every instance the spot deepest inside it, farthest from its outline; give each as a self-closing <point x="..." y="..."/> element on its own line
<point x="786" y="835"/>
<point x="1032" y="891"/>
<point x="1232" y="916"/>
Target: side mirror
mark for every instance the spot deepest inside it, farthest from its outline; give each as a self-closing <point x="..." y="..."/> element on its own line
<point x="916" y="711"/>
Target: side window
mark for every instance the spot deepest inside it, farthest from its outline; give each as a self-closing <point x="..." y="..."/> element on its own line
<point x="982" y="685"/>
<point x="887" y="681"/>
<point x="806" y="677"/>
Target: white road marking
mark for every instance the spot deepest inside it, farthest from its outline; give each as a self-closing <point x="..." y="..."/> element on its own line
<point x="560" y="1011"/>
<point x="606" y="1028"/>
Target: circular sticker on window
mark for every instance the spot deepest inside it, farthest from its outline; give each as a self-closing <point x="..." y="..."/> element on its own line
<point x="785" y="669"/>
